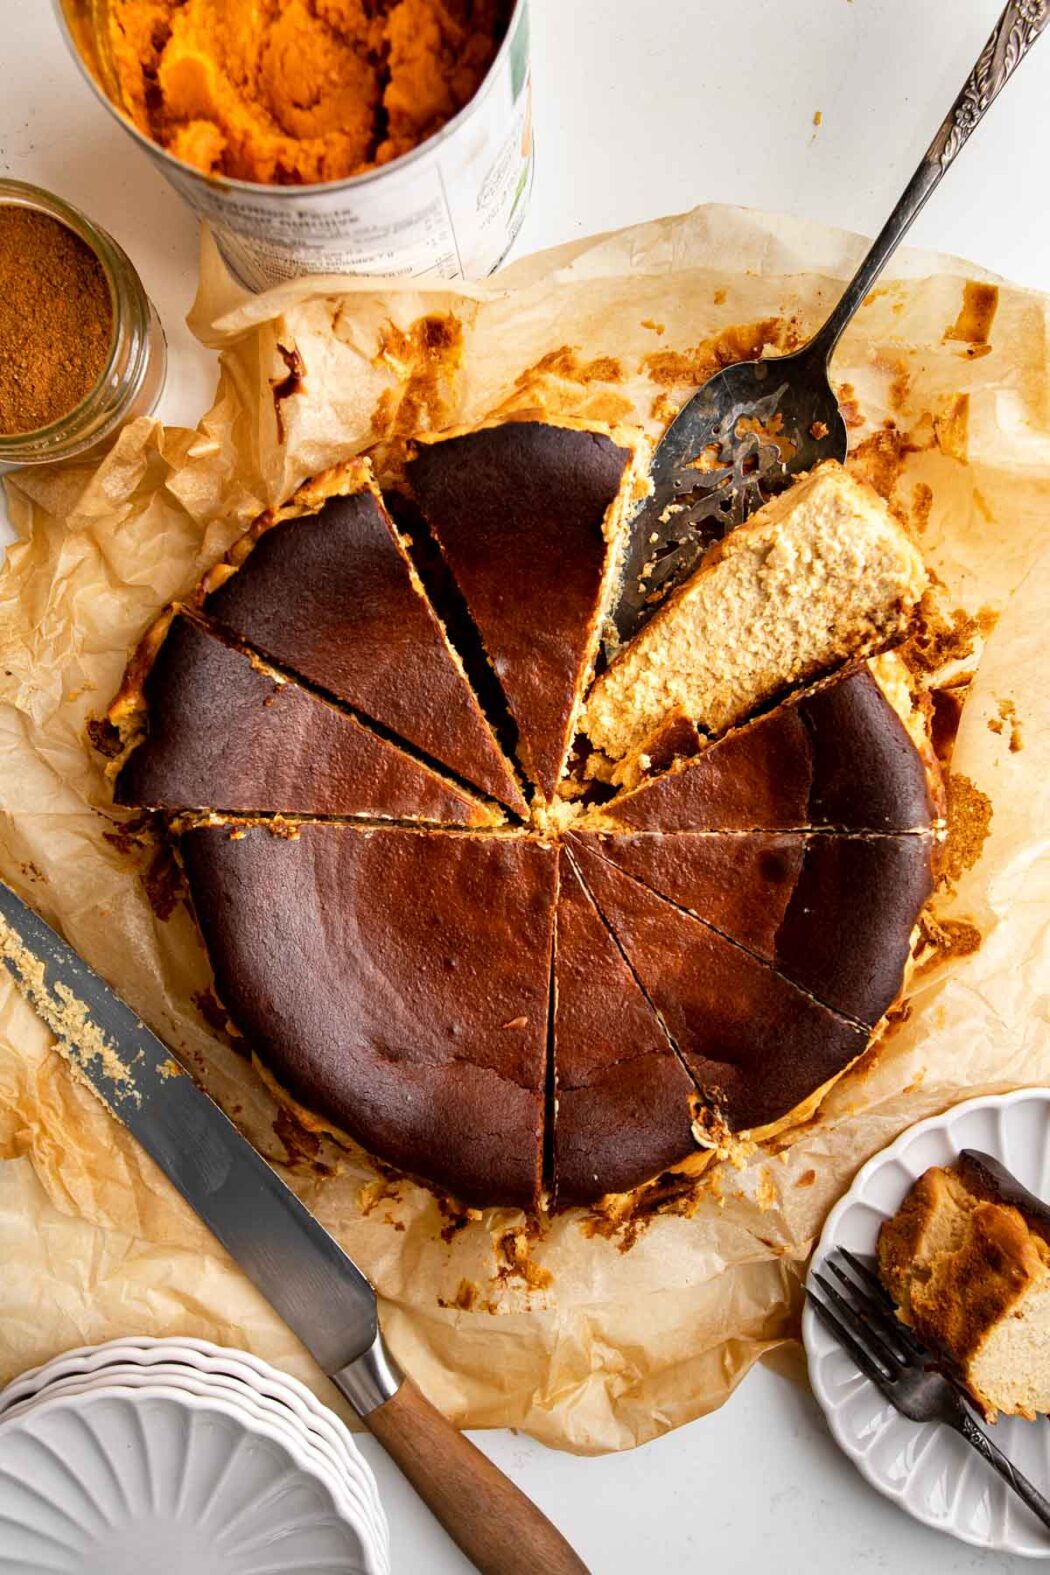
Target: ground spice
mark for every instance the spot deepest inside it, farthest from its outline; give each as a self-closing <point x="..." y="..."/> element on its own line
<point x="56" y="319"/>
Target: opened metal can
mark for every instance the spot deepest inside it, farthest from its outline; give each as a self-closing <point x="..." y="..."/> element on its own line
<point x="449" y="209"/>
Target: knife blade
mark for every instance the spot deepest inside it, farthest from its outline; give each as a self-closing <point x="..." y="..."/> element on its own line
<point x="300" y="1269"/>
<point x="302" y="1272"/>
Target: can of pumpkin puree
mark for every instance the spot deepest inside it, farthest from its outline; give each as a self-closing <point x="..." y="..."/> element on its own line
<point x="448" y="209"/>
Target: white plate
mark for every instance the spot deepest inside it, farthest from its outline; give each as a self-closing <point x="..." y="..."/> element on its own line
<point x="227" y="1366"/>
<point x="925" y="1467"/>
<point x="205" y="1356"/>
<point x="124" y="1481"/>
<point x="352" y="1502"/>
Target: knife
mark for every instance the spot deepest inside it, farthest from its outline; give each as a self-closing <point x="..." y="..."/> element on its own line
<point x="300" y="1269"/>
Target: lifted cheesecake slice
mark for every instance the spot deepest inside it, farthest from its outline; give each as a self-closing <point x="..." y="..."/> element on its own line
<point x="757" y="1046"/>
<point x="396" y="984"/>
<point x="834" y="914"/>
<point x="222" y="731"/>
<point x="327" y="590"/>
<point x="623" y="1099"/>
<point x="836" y="755"/>
<point x="531" y="520"/>
<point x="821" y="575"/>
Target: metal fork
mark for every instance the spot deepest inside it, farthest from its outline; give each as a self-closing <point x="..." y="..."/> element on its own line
<point x="861" y="1316"/>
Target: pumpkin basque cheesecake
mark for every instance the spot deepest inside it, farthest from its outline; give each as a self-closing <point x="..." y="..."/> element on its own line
<point x="966" y="1258"/>
<point x="532" y="936"/>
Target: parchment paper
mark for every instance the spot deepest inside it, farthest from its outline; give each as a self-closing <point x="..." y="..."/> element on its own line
<point x="589" y="1334"/>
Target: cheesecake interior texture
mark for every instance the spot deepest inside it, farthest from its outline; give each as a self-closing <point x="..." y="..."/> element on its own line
<point x="823" y="573"/>
<point x="512" y="986"/>
<point x="966" y="1258"/>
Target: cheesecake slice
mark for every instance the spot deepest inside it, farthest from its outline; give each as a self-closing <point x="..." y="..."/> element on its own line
<point x="834" y="755"/>
<point x="396" y="985"/>
<point x="966" y="1258"/>
<point x="219" y="730"/>
<point x="756" y="1046"/>
<point x="823" y="574"/>
<point x="327" y="591"/>
<point x="531" y="520"/>
<point x="834" y="914"/>
<point x="622" y="1098"/>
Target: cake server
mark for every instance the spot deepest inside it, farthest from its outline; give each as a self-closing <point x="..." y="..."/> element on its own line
<point x="756" y="424"/>
<point x="300" y="1270"/>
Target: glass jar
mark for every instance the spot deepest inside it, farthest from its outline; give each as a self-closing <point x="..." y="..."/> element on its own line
<point x="133" y="376"/>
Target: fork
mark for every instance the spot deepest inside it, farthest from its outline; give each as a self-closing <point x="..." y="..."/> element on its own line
<point x="861" y="1316"/>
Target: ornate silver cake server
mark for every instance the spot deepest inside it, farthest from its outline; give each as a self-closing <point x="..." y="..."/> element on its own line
<point x="758" y="423"/>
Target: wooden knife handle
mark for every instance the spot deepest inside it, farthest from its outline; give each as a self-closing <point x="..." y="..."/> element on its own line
<point x="499" y="1529"/>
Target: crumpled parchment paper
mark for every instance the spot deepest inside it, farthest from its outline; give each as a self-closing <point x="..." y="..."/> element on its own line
<point x="592" y="1333"/>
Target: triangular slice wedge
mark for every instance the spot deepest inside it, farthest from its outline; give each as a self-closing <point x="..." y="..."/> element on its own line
<point x="396" y="985"/>
<point x="757" y="1047"/>
<point x="834" y="914"/>
<point x="822" y="573"/>
<point x="531" y="519"/>
<point x="836" y="755"/>
<point x="223" y="732"/>
<point x="622" y="1096"/>
<point x="327" y="590"/>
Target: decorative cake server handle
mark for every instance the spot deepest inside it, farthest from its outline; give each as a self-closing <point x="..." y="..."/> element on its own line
<point x="1026" y="1491"/>
<point x="727" y="421"/>
<point x="1014" y="34"/>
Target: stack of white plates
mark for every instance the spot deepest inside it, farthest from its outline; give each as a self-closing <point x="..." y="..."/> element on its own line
<point x="177" y="1457"/>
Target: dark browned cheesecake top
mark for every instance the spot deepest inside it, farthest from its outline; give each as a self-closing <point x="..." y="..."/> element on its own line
<point x="835" y="755"/>
<point x="677" y="738"/>
<point x="520" y="512"/>
<point x="507" y="1012"/>
<point x="396" y="982"/>
<point x="987" y="1178"/>
<point x="755" y="1044"/>
<point x="332" y="596"/>
<point x="834" y="913"/>
<point x="622" y="1096"/>
<point x="226" y="734"/>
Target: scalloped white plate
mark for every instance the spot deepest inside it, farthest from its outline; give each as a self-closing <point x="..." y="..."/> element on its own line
<point x="123" y="1481"/>
<point x="224" y="1364"/>
<point x="170" y="1377"/>
<point x="926" y="1468"/>
<point x="172" y="1360"/>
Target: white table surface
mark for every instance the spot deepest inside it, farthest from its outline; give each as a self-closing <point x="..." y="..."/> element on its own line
<point x="645" y="107"/>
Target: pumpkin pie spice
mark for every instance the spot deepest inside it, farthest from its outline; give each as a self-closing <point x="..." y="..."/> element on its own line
<point x="56" y="319"/>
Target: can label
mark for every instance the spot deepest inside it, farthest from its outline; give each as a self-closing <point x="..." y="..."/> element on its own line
<point x="450" y="210"/>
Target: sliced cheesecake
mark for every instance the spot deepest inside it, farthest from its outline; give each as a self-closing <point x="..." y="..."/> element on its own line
<point x="756" y="1045"/>
<point x="834" y="755"/>
<point x="622" y="1098"/>
<point x="328" y="591"/>
<point x="531" y="520"/>
<point x="396" y="983"/>
<point x="823" y="574"/>
<point x="223" y="731"/>
<point x="967" y="1260"/>
<point x="835" y="914"/>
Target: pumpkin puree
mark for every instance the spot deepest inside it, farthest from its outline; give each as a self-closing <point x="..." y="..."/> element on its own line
<point x="291" y="92"/>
